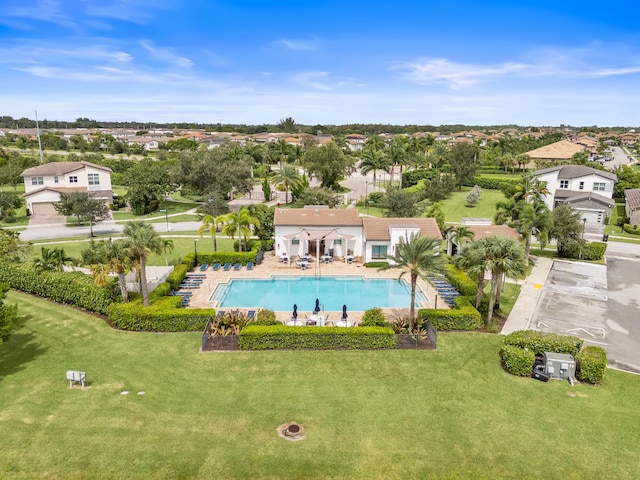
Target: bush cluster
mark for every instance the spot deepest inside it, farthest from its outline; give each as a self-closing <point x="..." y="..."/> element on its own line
<point x="266" y="317"/>
<point x="174" y="279"/>
<point x="517" y="361"/>
<point x="591" y="363"/>
<point x="463" y="317"/>
<point x="227" y="257"/>
<point x="460" y="281"/>
<point x="164" y="315"/>
<point x="492" y="183"/>
<point x="72" y="288"/>
<point x="540" y="342"/>
<point x="283" y="337"/>
<point x="374" y="317"/>
<point x="589" y="251"/>
<point x="376" y="264"/>
<point x="633" y="230"/>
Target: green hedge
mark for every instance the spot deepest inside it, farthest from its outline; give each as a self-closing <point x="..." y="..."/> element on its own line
<point x="227" y="257"/>
<point x="463" y="317"/>
<point x="162" y="290"/>
<point x="71" y="288"/>
<point x="540" y="342"/>
<point x="276" y="337"/>
<point x="591" y="364"/>
<point x="164" y="315"/>
<point x="376" y="264"/>
<point x="517" y="361"/>
<point x="460" y="281"/>
<point x="492" y="183"/>
<point x="175" y="278"/>
<point x="589" y="251"/>
<point x="633" y="230"/>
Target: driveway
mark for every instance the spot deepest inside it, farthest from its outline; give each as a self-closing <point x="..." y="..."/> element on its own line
<point x="595" y="303"/>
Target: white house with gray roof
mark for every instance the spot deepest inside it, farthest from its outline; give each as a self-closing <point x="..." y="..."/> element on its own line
<point x="588" y="190"/>
<point x="44" y="184"/>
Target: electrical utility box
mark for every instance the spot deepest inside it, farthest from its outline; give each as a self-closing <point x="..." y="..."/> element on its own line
<point x="559" y="365"/>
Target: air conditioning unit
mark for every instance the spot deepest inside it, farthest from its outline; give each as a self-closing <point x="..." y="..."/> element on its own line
<point x="559" y="365"/>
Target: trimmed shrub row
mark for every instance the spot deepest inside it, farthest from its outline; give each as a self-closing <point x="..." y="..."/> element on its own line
<point x="591" y="364"/>
<point x="517" y="361"/>
<point x="256" y="337"/>
<point x="71" y="288"/>
<point x="492" y="183"/>
<point x="540" y="342"/>
<point x="460" y="281"/>
<point x="589" y="251"/>
<point x="164" y="315"/>
<point x="633" y="230"/>
<point x="463" y="317"/>
<point x="226" y="257"/>
<point x="174" y="279"/>
<point x="376" y="264"/>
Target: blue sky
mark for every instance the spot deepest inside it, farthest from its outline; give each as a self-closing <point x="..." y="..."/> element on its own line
<point x="333" y="62"/>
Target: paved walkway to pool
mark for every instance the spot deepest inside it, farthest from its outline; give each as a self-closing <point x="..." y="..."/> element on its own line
<point x="271" y="266"/>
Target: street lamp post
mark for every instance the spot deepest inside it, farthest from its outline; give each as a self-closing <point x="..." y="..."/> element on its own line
<point x="584" y="224"/>
<point x="166" y="216"/>
<point x="195" y="250"/>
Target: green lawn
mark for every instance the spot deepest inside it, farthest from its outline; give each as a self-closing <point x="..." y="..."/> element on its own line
<point x="182" y="246"/>
<point x="450" y="413"/>
<point x="173" y="207"/>
<point x="455" y="208"/>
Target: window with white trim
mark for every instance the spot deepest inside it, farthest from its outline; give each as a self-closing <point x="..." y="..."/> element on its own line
<point x="37" y="180"/>
<point x="73" y="179"/>
<point x="94" y="178"/>
<point x="55" y="179"/>
<point x="599" y="186"/>
<point x="564" y="184"/>
<point x="581" y="186"/>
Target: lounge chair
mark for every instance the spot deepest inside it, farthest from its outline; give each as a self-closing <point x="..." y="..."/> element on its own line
<point x="227" y="267"/>
<point x="216" y="267"/>
<point x="251" y="314"/>
<point x="204" y="266"/>
<point x="249" y="265"/>
<point x="237" y="266"/>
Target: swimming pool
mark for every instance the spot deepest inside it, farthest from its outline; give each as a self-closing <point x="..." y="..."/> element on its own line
<point x="279" y="293"/>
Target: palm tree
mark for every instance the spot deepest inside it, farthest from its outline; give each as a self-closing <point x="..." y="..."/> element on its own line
<point x="438" y="154"/>
<point x="284" y="151"/>
<point x="504" y="257"/>
<point x="417" y="256"/>
<point x="288" y="176"/>
<point x="375" y="142"/>
<point x="372" y="161"/>
<point x="239" y="223"/>
<point x="167" y="247"/>
<point x="459" y="233"/>
<point x="210" y="223"/>
<point x="507" y="211"/>
<point x="530" y="189"/>
<point x="143" y="240"/>
<point x="52" y="259"/>
<point x="473" y="261"/>
<point x="534" y="219"/>
<point x="398" y="152"/>
<point x="116" y="258"/>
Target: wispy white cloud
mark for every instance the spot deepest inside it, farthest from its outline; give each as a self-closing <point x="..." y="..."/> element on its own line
<point x="166" y="54"/>
<point x="134" y="11"/>
<point x="319" y="80"/>
<point x="49" y="11"/>
<point x="297" y="44"/>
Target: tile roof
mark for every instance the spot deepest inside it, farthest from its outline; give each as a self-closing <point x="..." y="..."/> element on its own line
<point x="482" y="231"/>
<point x="317" y="217"/>
<point x="632" y="198"/>
<point x="562" y="150"/>
<point x="56" y="189"/>
<point x="378" y="228"/>
<point x="567" y="172"/>
<point x="570" y="196"/>
<point x="60" y="168"/>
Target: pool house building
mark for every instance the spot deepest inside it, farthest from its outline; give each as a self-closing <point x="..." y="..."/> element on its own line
<point x="342" y="234"/>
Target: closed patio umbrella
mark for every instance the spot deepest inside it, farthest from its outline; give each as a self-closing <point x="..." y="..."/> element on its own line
<point x="344" y="312"/>
<point x="316" y="309"/>
<point x="294" y="315"/>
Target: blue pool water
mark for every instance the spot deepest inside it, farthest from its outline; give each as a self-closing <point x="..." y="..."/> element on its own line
<point x="280" y="293"/>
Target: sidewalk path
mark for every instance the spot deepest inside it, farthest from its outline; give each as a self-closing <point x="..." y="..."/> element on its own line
<point x="530" y="293"/>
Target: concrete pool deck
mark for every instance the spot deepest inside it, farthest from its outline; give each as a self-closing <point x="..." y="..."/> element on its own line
<point x="271" y="267"/>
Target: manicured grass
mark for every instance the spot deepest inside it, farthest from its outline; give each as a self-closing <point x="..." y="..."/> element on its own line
<point x="371" y="211"/>
<point x="501" y="176"/>
<point x="182" y="246"/>
<point x="187" y="217"/>
<point x="450" y="413"/>
<point x="455" y="208"/>
<point x="173" y="207"/>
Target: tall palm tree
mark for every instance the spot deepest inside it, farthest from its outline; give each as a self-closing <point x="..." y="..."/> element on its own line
<point x="473" y="261"/>
<point x="417" y="256"/>
<point x="210" y="224"/>
<point x="167" y="247"/>
<point x="116" y="258"/>
<point x="438" y="154"/>
<point x="507" y="211"/>
<point x="398" y="152"/>
<point x="284" y="151"/>
<point x="143" y="240"/>
<point x="534" y="219"/>
<point x="375" y="142"/>
<point x="52" y="259"/>
<point x="239" y="224"/>
<point x="372" y="161"/>
<point x="504" y="257"/>
<point x="288" y="176"/>
<point x="530" y="189"/>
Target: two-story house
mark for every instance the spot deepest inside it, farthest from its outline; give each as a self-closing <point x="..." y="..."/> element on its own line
<point x="44" y="184"/>
<point x="586" y="189"/>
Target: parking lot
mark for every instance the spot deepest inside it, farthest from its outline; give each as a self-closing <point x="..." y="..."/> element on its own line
<point x="597" y="303"/>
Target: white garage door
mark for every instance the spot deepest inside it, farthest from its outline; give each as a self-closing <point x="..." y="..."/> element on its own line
<point x="592" y="216"/>
<point x="43" y="209"/>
